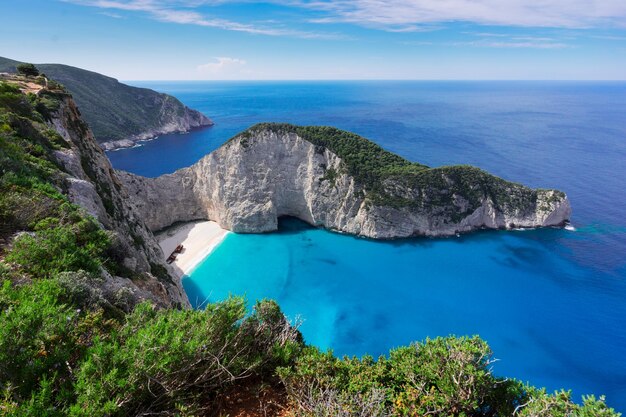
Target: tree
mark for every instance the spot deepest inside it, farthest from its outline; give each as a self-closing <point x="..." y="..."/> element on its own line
<point x="28" y="69"/>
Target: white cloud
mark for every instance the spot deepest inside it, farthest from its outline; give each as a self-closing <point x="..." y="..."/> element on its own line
<point x="515" y="44"/>
<point x="113" y="15"/>
<point x="610" y="37"/>
<point x="222" y="66"/>
<point x="181" y="12"/>
<point x="502" y="43"/>
<point x="487" y="34"/>
<point x="409" y="15"/>
<point x="388" y="15"/>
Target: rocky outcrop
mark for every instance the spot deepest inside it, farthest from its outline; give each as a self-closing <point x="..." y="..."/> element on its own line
<point x="91" y="182"/>
<point x="170" y="121"/>
<point x="277" y="170"/>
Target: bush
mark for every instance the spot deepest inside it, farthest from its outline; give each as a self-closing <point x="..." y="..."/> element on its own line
<point x="39" y="344"/>
<point x="443" y="376"/>
<point x="42" y="340"/>
<point x="440" y="377"/>
<point x="160" y="359"/>
<point x="124" y="298"/>
<point x="28" y="70"/>
<point x="36" y="336"/>
<point x="81" y="289"/>
<point x="41" y="402"/>
<point x="12" y="98"/>
<point x="57" y="247"/>
<point x="560" y="404"/>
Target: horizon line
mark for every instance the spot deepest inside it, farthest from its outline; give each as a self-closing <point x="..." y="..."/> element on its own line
<point x="383" y="79"/>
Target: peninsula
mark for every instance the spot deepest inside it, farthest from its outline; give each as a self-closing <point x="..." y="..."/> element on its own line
<point x="340" y="181"/>
<point x="119" y="115"/>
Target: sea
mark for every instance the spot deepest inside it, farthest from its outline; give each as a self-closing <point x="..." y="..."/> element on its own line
<point x="551" y="303"/>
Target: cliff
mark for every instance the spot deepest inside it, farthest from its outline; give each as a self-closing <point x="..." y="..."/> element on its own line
<point x="340" y="181"/>
<point x="56" y="151"/>
<point x="119" y="115"/>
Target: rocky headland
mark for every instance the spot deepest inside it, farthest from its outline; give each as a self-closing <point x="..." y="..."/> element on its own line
<point x="340" y="181"/>
<point x="118" y="114"/>
<point x="171" y="120"/>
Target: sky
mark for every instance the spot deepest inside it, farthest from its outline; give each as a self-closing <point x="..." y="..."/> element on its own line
<point x="322" y="39"/>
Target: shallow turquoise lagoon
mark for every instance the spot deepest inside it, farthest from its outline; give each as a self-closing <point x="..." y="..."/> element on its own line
<point x="547" y="319"/>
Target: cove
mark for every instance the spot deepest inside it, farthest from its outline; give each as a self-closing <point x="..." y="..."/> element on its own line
<point x="547" y="318"/>
<point x="551" y="303"/>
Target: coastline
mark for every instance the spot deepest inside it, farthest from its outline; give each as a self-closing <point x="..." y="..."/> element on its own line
<point x="198" y="238"/>
<point x="141" y="138"/>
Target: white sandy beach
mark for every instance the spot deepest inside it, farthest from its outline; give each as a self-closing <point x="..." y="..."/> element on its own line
<point x="198" y="240"/>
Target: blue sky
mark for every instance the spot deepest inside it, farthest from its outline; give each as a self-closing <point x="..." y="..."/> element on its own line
<point x="322" y="39"/>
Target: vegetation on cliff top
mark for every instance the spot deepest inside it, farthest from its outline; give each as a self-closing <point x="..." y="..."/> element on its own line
<point x="54" y="234"/>
<point x="394" y="181"/>
<point x="365" y="160"/>
<point x="68" y="349"/>
<point x="113" y="110"/>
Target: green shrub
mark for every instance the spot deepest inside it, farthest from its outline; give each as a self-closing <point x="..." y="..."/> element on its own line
<point x="57" y="247"/>
<point x="81" y="289"/>
<point x="27" y="69"/>
<point x="124" y="299"/>
<point x="446" y="376"/>
<point x="443" y="376"/>
<point x="440" y="377"/>
<point x="43" y="337"/>
<point x="14" y="100"/>
<point x="330" y="175"/>
<point x="39" y="345"/>
<point x="560" y="404"/>
<point x="36" y="336"/>
<point x="55" y="139"/>
<point x="160" y="359"/>
<point x="41" y="402"/>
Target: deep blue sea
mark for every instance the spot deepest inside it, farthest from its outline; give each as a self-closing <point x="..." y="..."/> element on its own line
<point x="551" y="303"/>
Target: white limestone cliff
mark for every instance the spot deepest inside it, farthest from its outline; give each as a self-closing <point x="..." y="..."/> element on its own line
<point x="258" y="176"/>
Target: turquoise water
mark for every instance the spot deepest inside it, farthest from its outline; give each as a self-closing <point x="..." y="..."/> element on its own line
<point x="548" y="320"/>
<point x="551" y="303"/>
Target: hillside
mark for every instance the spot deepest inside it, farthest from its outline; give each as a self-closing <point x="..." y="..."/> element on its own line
<point x="338" y="180"/>
<point x="118" y="114"/>
<point x="59" y="187"/>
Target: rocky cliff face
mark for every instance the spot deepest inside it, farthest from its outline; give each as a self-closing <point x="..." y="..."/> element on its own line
<point x="173" y="118"/>
<point x="91" y="182"/>
<point x="271" y="171"/>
